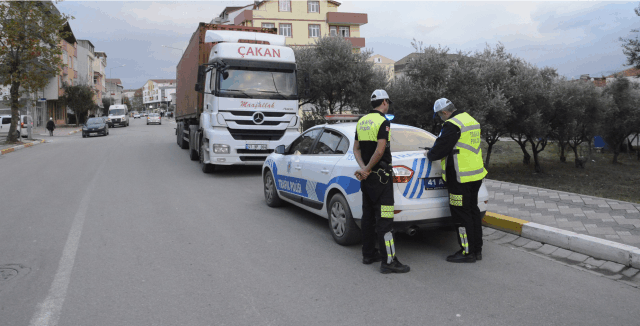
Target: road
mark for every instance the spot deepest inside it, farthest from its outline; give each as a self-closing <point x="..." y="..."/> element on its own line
<point x="126" y="230"/>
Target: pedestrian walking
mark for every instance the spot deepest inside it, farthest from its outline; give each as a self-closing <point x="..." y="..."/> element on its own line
<point x="373" y="154"/>
<point x="51" y="126"/>
<point x="458" y="148"/>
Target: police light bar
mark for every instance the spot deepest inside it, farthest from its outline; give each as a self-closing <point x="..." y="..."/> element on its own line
<point x="343" y="117"/>
<point x="389" y="116"/>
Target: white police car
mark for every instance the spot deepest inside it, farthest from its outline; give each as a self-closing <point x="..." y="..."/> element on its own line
<point x="316" y="170"/>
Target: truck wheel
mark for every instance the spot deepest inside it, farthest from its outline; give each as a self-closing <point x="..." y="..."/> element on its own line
<point x="341" y="224"/>
<point x="270" y="191"/>
<point x="193" y="152"/>
<point x="206" y="168"/>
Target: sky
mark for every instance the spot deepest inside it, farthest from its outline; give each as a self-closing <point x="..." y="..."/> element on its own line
<point x="573" y="37"/>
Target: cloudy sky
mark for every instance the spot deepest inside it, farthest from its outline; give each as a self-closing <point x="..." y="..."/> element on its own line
<point x="573" y="37"/>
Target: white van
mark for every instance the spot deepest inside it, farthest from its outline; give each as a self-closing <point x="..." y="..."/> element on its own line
<point x="118" y="115"/>
<point x="21" y="127"/>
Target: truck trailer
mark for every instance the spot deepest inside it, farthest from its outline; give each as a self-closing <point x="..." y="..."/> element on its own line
<point x="236" y="95"/>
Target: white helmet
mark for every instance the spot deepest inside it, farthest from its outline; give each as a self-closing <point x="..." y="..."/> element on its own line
<point x="380" y="94"/>
<point x="440" y="105"/>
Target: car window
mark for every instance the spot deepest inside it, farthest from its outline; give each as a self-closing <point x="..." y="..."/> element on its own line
<point x="406" y="139"/>
<point x="6" y="121"/>
<point x="328" y="143"/>
<point x="304" y="142"/>
<point x="343" y="147"/>
<point x="95" y="120"/>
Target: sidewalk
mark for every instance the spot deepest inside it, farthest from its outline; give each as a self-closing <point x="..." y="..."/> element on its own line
<point x="607" y="219"/>
<point x="39" y="135"/>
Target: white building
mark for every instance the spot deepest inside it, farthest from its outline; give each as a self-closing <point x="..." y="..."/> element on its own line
<point x="156" y="92"/>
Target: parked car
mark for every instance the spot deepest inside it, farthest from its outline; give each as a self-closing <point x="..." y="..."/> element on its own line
<point x="154" y="118"/>
<point x="25" y="121"/>
<point x="21" y="127"/>
<point x="316" y="172"/>
<point x="136" y="115"/>
<point x="5" y="124"/>
<point x="95" y="127"/>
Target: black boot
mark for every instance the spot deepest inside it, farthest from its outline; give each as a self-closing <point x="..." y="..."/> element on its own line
<point x="479" y="255"/>
<point x="460" y="257"/>
<point x="373" y="259"/>
<point x="395" y="267"/>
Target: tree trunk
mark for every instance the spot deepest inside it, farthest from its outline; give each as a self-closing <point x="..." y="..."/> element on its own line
<point x="616" y="152"/>
<point x="12" y="137"/>
<point x="579" y="163"/>
<point x="486" y="163"/>
<point x="523" y="143"/>
<point x="534" y="148"/>
<point x="562" y="145"/>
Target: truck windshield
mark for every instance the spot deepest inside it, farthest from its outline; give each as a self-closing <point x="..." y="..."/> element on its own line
<point x="116" y="112"/>
<point x="258" y="84"/>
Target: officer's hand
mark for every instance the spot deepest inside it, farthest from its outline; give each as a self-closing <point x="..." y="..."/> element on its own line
<point x="425" y="153"/>
<point x="361" y="174"/>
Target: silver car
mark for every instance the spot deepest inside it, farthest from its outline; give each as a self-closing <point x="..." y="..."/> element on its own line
<point x="154" y="118"/>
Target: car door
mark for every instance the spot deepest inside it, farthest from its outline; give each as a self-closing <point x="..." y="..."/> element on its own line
<point x="318" y="165"/>
<point x="289" y="180"/>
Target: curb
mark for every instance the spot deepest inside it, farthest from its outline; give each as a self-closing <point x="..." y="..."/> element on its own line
<point x="15" y="148"/>
<point x="584" y="244"/>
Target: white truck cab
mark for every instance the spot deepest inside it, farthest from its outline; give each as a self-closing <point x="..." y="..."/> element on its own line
<point x="250" y="98"/>
<point x="118" y="115"/>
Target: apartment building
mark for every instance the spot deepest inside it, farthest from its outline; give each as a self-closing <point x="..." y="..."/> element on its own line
<point x="114" y="90"/>
<point x="301" y="22"/>
<point x="383" y="63"/>
<point x="99" y="75"/>
<point x="156" y="92"/>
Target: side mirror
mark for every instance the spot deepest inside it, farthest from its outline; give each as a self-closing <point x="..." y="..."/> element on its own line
<point x="197" y="88"/>
<point x="225" y="75"/>
<point x="280" y="149"/>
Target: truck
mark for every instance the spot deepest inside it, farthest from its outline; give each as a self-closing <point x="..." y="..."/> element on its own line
<point x="236" y="95"/>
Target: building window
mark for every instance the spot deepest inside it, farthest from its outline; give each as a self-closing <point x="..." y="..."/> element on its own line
<point x="285" y="5"/>
<point x="285" y="29"/>
<point x="314" y="30"/>
<point x="344" y="31"/>
<point x="333" y="30"/>
<point x="378" y="60"/>
<point x="313" y="6"/>
<point x="268" y="25"/>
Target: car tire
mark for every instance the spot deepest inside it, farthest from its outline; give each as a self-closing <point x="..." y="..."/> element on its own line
<point x="343" y="228"/>
<point x="84" y="136"/>
<point x="270" y="192"/>
<point x="206" y="167"/>
<point x="147" y="123"/>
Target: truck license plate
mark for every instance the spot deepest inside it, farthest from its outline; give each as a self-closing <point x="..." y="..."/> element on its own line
<point x="256" y="147"/>
<point x="434" y="183"/>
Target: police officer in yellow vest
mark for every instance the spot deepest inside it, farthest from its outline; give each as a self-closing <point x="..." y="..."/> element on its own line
<point x="373" y="154"/>
<point x="458" y="148"/>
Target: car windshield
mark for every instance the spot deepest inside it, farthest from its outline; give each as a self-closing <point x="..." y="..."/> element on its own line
<point x="95" y="121"/>
<point x="406" y="139"/>
<point x="258" y="83"/>
<point x="116" y="112"/>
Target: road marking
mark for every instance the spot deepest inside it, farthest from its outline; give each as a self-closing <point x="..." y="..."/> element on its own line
<point x="49" y="310"/>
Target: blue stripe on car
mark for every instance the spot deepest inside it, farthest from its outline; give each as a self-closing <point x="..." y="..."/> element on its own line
<point x="415" y="186"/>
<point x="406" y="190"/>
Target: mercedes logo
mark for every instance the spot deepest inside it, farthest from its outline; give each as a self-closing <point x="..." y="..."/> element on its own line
<point x="258" y="118"/>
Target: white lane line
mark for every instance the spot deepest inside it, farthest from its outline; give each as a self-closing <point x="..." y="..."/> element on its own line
<point x="50" y="308"/>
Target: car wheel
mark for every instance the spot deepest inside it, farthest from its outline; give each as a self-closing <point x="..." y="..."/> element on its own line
<point x="84" y="136"/>
<point x="341" y="224"/>
<point x="270" y="191"/>
<point x="206" y="167"/>
<point x="147" y="123"/>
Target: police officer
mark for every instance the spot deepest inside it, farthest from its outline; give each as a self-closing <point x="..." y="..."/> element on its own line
<point x="458" y="148"/>
<point x="373" y="154"/>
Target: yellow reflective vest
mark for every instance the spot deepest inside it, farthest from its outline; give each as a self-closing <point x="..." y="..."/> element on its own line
<point x="467" y="155"/>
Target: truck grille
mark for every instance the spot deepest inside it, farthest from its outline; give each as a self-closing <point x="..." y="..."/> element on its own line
<point x="250" y="151"/>
<point x="250" y="113"/>
<point x="252" y="158"/>
<point x="251" y="134"/>
<point x="251" y="123"/>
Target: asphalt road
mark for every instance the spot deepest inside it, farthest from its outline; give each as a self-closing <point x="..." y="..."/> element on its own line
<point x="126" y="230"/>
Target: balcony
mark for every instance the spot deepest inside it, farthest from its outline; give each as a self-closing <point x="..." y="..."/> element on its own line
<point x="357" y="42"/>
<point x="243" y="16"/>
<point x="346" y="18"/>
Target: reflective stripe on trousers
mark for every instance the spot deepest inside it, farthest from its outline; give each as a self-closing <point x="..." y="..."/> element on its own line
<point x="391" y="250"/>
<point x="463" y="239"/>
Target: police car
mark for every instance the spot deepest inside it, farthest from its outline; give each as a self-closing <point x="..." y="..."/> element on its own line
<point x="316" y="172"/>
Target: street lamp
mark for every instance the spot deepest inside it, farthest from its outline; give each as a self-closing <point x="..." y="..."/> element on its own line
<point x="170" y="47"/>
<point x="112" y="81"/>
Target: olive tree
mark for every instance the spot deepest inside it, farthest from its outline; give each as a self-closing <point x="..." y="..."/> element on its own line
<point x="622" y="116"/>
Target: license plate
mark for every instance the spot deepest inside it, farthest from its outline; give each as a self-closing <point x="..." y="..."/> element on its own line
<point x="256" y="146"/>
<point x="93" y="134"/>
<point x="434" y="183"/>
